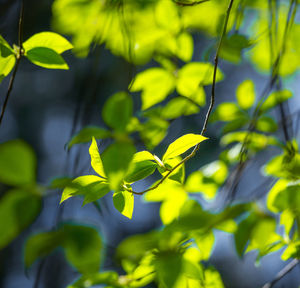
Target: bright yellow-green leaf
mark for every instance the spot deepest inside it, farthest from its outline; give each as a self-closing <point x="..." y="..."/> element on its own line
<point x="17" y="163"/>
<point x="266" y="124"/>
<point x="245" y="94"/>
<point x="227" y="111"/>
<point x="90" y="186"/>
<point x="193" y="75"/>
<point x="7" y="58"/>
<point x="287" y="219"/>
<point x="46" y="58"/>
<point x="276" y="98"/>
<point x="185" y="46"/>
<point x="156" y="84"/>
<point x="182" y="144"/>
<point x="49" y="40"/>
<point x="96" y="161"/>
<point x="124" y="203"/>
<point x="205" y="243"/>
<point x="87" y="133"/>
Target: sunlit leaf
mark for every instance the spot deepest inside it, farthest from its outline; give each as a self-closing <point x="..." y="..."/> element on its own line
<point x="49" y="40"/>
<point x="18" y="209"/>
<point x="90" y="186"/>
<point x="17" y="163"/>
<point x="182" y="144"/>
<point x="185" y="47"/>
<point x="266" y="124"/>
<point x="96" y="161"/>
<point x="245" y="94"/>
<point x="205" y="243"/>
<point x="7" y="58"/>
<point x="227" y="111"/>
<point x="276" y="98"/>
<point x="156" y="84"/>
<point x="117" y="111"/>
<point x="124" y="203"/>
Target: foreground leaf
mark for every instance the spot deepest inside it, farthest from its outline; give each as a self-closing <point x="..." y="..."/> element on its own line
<point x="124" y="203"/>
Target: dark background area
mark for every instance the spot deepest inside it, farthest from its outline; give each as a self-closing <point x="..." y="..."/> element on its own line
<point x="48" y="106"/>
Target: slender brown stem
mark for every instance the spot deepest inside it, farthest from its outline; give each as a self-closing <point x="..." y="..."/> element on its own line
<point x="212" y="101"/>
<point x="191" y="3"/>
<point x="19" y="56"/>
<point x="288" y="268"/>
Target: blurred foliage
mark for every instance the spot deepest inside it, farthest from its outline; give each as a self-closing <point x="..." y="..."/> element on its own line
<point x="164" y="31"/>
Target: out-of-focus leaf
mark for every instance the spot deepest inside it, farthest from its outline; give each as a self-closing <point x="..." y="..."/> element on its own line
<point x="185" y="46"/>
<point x="156" y="84"/>
<point x="49" y="40"/>
<point x="17" y="163"/>
<point x="90" y="186"/>
<point x="245" y="94"/>
<point x="87" y="133"/>
<point x="182" y="144"/>
<point x="18" y="209"/>
<point x="116" y="159"/>
<point x="266" y="124"/>
<point x="154" y="131"/>
<point x="227" y="112"/>
<point x="117" y="111"/>
<point x="236" y="124"/>
<point x="124" y="203"/>
<point x="205" y="243"/>
<point x="276" y="98"/>
<point x="82" y="246"/>
<point x="46" y="58"/>
<point x="96" y="161"/>
<point x="141" y="166"/>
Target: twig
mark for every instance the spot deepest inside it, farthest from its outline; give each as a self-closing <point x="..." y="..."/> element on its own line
<point x="19" y="56"/>
<point x="288" y="268"/>
<point x="212" y="101"/>
<point x="191" y="3"/>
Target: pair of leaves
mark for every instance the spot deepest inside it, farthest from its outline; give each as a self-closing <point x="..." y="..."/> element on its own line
<point x="82" y="246"/>
<point x="157" y="83"/>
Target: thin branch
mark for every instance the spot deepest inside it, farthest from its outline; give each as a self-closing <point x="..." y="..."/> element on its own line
<point x="212" y="101"/>
<point x="288" y="268"/>
<point x="191" y="3"/>
<point x="19" y="56"/>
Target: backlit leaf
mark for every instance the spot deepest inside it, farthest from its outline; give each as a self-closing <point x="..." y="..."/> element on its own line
<point x="245" y="94"/>
<point x="182" y="144"/>
<point x="96" y="161"/>
<point x="124" y="203"/>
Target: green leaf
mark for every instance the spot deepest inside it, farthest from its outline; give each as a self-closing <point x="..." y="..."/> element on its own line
<point x="276" y="98"/>
<point x="46" y="58"/>
<point x="227" y="112"/>
<point x="178" y="174"/>
<point x="117" y="111"/>
<point x="168" y="267"/>
<point x="116" y="159"/>
<point x="48" y="40"/>
<point x="7" y="58"/>
<point x="185" y="46"/>
<point x="177" y="107"/>
<point x="82" y="246"/>
<point x="156" y="84"/>
<point x="96" y="161"/>
<point x="287" y="219"/>
<point x="18" y="209"/>
<point x="90" y="186"/>
<point x="17" y="163"/>
<point x="87" y="133"/>
<point x="193" y="75"/>
<point x="205" y="243"/>
<point x="154" y="131"/>
<point x="266" y="124"/>
<point x="141" y="166"/>
<point x="182" y="144"/>
<point x="124" y="203"/>
<point x="245" y="94"/>
<point x="236" y="124"/>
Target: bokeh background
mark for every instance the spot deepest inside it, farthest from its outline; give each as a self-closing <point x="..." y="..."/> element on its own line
<point x="48" y="106"/>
